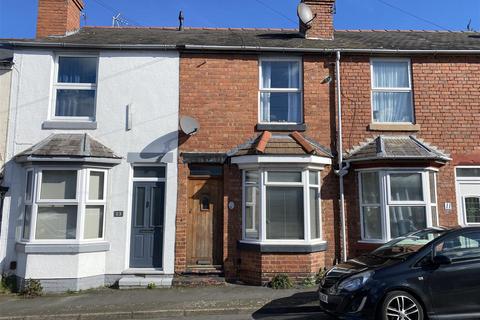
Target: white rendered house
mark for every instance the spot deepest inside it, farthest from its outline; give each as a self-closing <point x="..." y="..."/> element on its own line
<point x="91" y="166"/>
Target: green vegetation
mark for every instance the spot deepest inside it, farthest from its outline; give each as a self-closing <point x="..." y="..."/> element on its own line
<point x="281" y="281"/>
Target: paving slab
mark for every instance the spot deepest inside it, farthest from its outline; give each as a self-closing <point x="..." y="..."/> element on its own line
<point x="156" y="303"/>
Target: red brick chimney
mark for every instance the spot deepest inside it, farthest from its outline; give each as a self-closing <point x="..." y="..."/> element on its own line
<point x="322" y="25"/>
<point x="58" y="17"/>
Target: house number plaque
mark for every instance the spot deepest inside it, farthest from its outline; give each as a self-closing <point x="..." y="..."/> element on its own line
<point x="118" y="214"/>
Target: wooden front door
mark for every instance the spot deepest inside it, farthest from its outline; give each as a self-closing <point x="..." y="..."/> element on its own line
<point x="205" y="231"/>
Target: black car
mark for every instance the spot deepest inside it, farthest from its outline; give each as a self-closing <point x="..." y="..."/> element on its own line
<point x="432" y="273"/>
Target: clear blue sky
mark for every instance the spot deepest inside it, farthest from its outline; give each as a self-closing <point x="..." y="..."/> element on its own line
<point x="17" y="17"/>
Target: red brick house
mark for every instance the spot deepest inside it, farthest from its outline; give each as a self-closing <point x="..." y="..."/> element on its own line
<point x="267" y="98"/>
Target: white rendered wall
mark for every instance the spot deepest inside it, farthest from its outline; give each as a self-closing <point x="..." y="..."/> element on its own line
<point x="5" y="80"/>
<point x="148" y="81"/>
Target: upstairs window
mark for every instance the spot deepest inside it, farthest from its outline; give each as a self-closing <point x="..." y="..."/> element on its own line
<point x="281" y="91"/>
<point x="75" y="88"/>
<point x="391" y="91"/>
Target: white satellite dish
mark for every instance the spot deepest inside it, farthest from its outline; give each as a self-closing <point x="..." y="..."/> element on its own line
<point x="305" y="13"/>
<point x="189" y="125"/>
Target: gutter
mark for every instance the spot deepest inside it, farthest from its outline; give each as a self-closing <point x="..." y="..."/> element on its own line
<point x="193" y="47"/>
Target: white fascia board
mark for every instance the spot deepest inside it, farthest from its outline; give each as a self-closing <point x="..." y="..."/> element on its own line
<point x="305" y="160"/>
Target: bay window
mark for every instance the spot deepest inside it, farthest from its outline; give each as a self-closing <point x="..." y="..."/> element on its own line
<point x="281" y="91"/>
<point x="64" y="204"/>
<point x="281" y="205"/>
<point x="396" y="202"/>
<point x="75" y="88"/>
<point x="392" y="100"/>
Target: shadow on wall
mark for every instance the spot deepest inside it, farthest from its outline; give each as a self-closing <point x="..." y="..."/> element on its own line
<point x="161" y="146"/>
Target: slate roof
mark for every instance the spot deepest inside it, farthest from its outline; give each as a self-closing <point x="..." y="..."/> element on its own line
<point x="279" y="144"/>
<point x="259" y="39"/>
<point x="68" y="145"/>
<point x="395" y="148"/>
<point x="6" y="56"/>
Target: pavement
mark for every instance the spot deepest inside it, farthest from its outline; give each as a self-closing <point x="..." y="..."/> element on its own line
<point x="228" y="302"/>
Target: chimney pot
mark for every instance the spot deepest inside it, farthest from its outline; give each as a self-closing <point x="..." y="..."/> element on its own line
<point x="322" y="26"/>
<point x="58" y="17"/>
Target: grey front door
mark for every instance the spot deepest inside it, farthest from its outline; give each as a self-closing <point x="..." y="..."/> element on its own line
<point x="146" y="248"/>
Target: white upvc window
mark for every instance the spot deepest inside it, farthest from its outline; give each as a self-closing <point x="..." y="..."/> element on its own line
<point x="396" y="202"/>
<point x="74" y="87"/>
<point x="468" y="194"/>
<point x="281" y="87"/>
<point x="281" y="205"/>
<point x="64" y="204"/>
<point x="392" y="99"/>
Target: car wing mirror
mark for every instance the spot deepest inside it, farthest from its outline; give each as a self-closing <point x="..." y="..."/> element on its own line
<point x="441" y="260"/>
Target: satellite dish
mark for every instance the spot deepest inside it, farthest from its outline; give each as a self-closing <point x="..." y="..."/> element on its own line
<point x="189" y="125"/>
<point x="305" y="14"/>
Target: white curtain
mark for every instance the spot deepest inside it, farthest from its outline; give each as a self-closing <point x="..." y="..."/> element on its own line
<point x="391" y="106"/>
<point x="294" y="112"/>
<point x="390" y="74"/>
<point x="281" y="75"/>
<point x="75" y="103"/>
<point x="266" y="83"/>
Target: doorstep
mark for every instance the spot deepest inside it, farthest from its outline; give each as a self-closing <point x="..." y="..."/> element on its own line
<point x="135" y="281"/>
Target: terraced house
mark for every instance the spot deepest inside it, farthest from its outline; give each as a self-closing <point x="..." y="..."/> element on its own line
<point x="310" y="145"/>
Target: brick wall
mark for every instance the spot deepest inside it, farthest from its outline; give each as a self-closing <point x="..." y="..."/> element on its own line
<point x="57" y="17"/>
<point x="221" y="91"/>
<point x="446" y="101"/>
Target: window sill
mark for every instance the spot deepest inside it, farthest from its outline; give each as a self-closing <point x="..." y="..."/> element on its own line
<point x="282" y="248"/>
<point x="281" y="127"/>
<point x="41" y="248"/>
<point x="393" y="127"/>
<point x="69" y="125"/>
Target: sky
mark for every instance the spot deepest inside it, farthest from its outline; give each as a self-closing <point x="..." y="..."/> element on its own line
<point x="18" y="17"/>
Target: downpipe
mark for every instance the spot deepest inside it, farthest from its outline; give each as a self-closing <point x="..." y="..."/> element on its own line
<point x="342" y="168"/>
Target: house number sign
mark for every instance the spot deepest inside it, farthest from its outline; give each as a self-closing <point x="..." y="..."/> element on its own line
<point x="118" y="214"/>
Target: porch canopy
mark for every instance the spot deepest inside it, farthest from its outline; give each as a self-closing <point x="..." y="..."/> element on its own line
<point x="396" y="148"/>
<point x="281" y="148"/>
<point x="69" y="148"/>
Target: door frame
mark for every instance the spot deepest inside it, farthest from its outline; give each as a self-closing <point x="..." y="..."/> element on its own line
<point x="461" y="216"/>
<point x="129" y="219"/>
<point x="205" y="177"/>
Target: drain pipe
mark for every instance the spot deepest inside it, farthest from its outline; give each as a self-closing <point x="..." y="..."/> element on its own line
<point x="342" y="170"/>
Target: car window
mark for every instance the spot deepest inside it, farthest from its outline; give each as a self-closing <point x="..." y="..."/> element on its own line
<point x="465" y="246"/>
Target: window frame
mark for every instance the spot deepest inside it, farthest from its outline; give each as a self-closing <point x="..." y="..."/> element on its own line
<point x="95" y="203"/>
<point x="299" y="90"/>
<point x="28" y="202"/>
<point x="263" y="184"/>
<point x="392" y="90"/>
<point x="386" y="203"/>
<point x="81" y="202"/>
<point x="464" y="211"/>
<point x="72" y="86"/>
<point x="459" y="180"/>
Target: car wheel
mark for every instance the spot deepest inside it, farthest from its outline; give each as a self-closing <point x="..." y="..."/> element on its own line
<point x="400" y="305"/>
